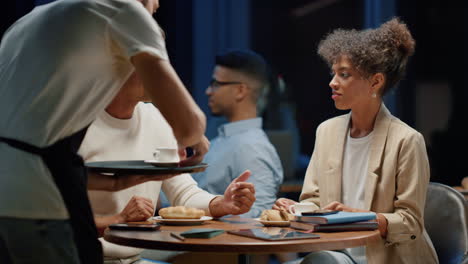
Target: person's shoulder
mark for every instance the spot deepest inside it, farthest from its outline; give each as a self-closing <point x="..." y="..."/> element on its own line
<point x="148" y="110"/>
<point x="401" y="129"/>
<point x="333" y="122"/>
<point x="148" y="107"/>
<point x="94" y="3"/>
<point x="254" y="143"/>
<point x="102" y="8"/>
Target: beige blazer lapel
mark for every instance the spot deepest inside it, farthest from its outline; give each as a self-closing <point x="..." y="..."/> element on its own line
<point x="335" y="162"/>
<point x="381" y="126"/>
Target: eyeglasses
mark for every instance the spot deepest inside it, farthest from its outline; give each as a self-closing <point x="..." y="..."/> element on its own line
<point x="215" y="84"/>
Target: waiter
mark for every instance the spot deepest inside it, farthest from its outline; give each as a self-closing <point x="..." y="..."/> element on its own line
<point x="60" y="65"/>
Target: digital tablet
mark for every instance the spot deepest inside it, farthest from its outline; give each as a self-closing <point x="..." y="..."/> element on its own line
<point x="134" y="227"/>
<point x="273" y="233"/>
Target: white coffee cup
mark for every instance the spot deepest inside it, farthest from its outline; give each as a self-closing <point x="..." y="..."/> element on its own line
<point x="168" y="155"/>
<point x="299" y="208"/>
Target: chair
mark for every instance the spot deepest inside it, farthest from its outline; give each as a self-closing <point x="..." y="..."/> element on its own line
<point x="446" y="215"/>
<point x="282" y="140"/>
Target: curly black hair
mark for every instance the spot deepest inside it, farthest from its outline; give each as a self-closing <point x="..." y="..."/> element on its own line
<point x="382" y="50"/>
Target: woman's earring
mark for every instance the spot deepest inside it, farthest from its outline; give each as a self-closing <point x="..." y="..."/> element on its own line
<point x="374" y="95"/>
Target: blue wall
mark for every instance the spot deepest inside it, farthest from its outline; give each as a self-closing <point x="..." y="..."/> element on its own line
<point x="218" y="25"/>
<point x="376" y="13"/>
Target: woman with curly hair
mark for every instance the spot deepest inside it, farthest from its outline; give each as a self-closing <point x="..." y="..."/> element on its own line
<point x="369" y="160"/>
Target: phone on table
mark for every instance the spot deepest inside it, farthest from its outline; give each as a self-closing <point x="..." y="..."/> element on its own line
<point x="135" y="227"/>
<point x="320" y="212"/>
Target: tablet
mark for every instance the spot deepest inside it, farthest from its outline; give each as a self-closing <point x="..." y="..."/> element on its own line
<point x="272" y="234"/>
<point x="134" y="227"/>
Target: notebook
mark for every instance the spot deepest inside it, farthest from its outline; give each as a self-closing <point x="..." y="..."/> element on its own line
<point x="354" y="226"/>
<point x="338" y="218"/>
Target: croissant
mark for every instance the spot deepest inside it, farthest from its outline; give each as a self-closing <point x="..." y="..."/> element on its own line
<point x="181" y="212"/>
<point x="275" y="215"/>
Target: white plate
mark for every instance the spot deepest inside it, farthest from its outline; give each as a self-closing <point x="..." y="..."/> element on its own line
<point x="272" y="223"/>
<point x="182" y="221"/>
<point x="162" y="164"/>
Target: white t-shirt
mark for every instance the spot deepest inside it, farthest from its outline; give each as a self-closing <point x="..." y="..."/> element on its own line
<point x="355" y="164"/>
<point x="109" y="138"/>
<point x="60" y="66"/>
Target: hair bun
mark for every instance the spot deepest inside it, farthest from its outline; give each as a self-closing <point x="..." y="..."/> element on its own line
<point x="400" y="36"/>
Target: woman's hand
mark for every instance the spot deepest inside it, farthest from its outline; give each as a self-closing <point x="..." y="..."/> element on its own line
<point x="381" y="220"/>
<point x="283" y="203"/>
<point x="337" y="206"/>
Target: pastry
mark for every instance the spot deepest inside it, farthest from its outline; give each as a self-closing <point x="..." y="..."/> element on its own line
<point x="275" y="215"/>
<point x="181" y="212"/>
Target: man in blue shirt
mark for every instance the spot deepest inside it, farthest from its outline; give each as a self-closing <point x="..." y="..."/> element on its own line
<point x="240" y="82"/>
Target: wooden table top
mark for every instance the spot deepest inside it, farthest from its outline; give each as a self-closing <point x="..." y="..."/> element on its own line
<point x="236" y="244"/>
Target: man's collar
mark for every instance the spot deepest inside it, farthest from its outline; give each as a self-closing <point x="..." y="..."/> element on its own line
<point x="237" y="127"/>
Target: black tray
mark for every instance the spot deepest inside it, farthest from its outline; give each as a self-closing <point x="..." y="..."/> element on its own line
<point x="139" y="167"/>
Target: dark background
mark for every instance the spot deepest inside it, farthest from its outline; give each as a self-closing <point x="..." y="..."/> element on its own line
<point x="289" y="40"/>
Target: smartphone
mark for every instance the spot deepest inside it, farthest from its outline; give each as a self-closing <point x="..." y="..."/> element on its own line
<point x="135" y="227"/>
<point x="320" y="212"/>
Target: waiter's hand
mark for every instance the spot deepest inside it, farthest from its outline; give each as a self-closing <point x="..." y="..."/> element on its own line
<point x="199" y="151"/>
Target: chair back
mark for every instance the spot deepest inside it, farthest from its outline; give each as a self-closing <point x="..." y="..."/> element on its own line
<point x="445" y="219"/>
<point x="283" y="142"/>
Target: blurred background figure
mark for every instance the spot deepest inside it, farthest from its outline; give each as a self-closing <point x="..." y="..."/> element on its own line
<point x="239" y="82"/>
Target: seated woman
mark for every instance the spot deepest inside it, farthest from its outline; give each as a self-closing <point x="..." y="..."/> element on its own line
<point x="369" y="160"/>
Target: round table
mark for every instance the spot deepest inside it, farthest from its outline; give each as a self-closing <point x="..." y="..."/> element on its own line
<point x="236" y="244"/>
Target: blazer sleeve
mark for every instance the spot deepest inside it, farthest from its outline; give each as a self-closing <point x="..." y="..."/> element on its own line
<point x="412" y="177"/>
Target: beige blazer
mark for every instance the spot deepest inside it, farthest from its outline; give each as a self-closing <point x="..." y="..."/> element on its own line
<point x="396" y="184"/>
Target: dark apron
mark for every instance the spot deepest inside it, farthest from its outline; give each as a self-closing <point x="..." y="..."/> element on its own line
<point x="70" y="176"/>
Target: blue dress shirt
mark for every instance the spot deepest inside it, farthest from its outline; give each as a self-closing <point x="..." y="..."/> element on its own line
<point x="240" y="146"/>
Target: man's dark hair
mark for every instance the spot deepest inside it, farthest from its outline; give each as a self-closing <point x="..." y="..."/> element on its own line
<point x="251" y="64"/>
<point x="247" y="62"/>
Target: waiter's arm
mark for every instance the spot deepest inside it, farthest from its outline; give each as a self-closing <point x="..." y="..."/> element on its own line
<point x="169" y="95"/>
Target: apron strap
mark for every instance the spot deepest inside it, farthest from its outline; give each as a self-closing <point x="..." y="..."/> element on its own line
<point x="23" y="146"/>
<point x="70" y="176"/>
